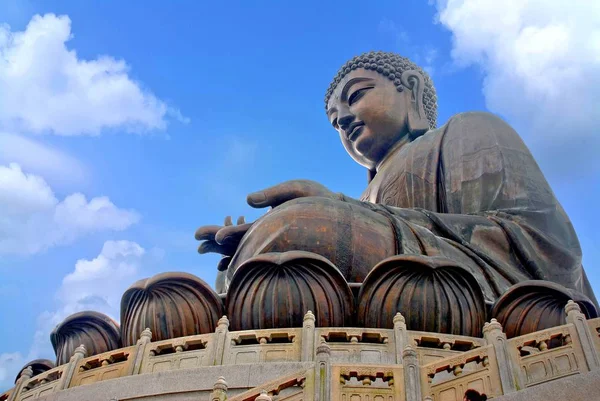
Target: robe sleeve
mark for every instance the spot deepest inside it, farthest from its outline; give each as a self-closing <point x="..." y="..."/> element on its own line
<point x="498" y="215"/>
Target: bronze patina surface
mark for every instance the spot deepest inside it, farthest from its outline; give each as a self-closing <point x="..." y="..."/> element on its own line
<point x="469" y="192"/>
<point x="96" y="331"/>
<point x="170" y="305"/>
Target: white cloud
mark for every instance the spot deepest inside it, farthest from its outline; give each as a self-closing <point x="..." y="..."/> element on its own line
<point x="33" y="219"/>
<point x="99" y="283"/>
<point x="10" y="363"/>
<point x="541" y="60"/>
<point x="45" y="87"/>
<point x="94" y="284"/>
<point x="40" y="158"/>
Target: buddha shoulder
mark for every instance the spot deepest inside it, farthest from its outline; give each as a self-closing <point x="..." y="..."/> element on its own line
<point x="480" y="125"/>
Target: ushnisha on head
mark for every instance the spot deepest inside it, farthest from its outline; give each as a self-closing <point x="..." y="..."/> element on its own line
<point x="377" y="100"/>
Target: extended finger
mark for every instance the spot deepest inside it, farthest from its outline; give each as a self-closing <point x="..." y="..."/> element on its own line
<point x="228" y="221"/>
<point x="211" y="247"/>
<point x="224" y="263"/>
<point x="206" y="233"/>
<point x="232" y="234"/>
<point x="280" y="193"/>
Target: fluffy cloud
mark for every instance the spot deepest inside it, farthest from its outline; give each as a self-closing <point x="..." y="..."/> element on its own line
<point x="94" y="284"/>
<point x="99" y="283"/>
<point x="10" y="363"/>
<point x="45" y="87"/>
<point x="541" y="60"/>
<point x="33" y="219"/>
<point x="40" y="158"/>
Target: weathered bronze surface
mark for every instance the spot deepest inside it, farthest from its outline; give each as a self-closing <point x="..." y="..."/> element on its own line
<point x="37" y="366"/>
<point x="277" y="289"/>
<point x="537" y="305"/>
<point x="96" y="331"/>
<point x="434" y="294"/>
<point x="170" y="305"/>
<point x="468" y="191"/>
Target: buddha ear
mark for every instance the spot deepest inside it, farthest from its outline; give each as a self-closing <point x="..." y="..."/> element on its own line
<point x="417" y="120"/>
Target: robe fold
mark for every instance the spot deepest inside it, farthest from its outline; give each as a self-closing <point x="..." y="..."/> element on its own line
<point x="469" y="191"/>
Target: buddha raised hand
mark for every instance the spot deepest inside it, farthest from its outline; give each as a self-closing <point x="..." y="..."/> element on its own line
<point x="469" y="194"/>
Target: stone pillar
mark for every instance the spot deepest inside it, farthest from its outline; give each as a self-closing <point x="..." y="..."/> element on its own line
<point x="219" y="392"/>
<point x="400" y="336"/>
<point x="493" y="334"/>
<point x="263" y="396"/>
<point x="221" y="334"/>
<point x="577" y="319"/>
<point x="20" y="384"/>
<point x="323" y="373"/>
<point x="308" y="337"/>
<point x="140" y="351"/>
<point x="412" y="374"/>
<point x="79" y="353"/>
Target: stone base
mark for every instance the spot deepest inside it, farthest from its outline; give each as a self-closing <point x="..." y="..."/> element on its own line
<point x="180" y="385"/>
<point x="582" y="387"/>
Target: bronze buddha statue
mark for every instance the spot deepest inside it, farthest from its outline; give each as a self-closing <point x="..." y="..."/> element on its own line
<point x="453" y="219"/>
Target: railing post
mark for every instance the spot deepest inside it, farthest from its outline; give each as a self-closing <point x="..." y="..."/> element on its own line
<point x="221" y="337"/>
<point x="140" y="351"/>
<point x="400" y="336"/>
<point x="577" y="319"/>
<point x="219" y="392"/>
<point x="493" y="334"/>
<point x="308" y="337"/>
<point x="412" y="374"/>
<point x="79" y="353"/>
<point x="263" y="396"/>
<point x="323" y="373"/>
<point x="23" y="378"/>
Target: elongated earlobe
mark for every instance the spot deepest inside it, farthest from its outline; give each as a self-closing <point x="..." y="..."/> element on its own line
<point x="417" y="119"/>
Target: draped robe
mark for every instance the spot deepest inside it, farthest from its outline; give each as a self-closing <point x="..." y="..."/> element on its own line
<point x="469" y="191"/>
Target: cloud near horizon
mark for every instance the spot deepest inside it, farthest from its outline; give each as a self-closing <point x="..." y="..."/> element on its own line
<point x="33" y="219"/>
<point x="541" y="66"/>
<point x="94" y="284"/>
<point x="46" y="88"/>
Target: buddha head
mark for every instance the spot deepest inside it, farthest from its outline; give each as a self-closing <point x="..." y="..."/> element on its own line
<point x="377" y="100"/>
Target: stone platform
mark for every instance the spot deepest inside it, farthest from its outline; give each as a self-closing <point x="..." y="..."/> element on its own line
<point x="321" y="364"/>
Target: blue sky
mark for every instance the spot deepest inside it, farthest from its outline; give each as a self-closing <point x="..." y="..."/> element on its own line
<point x="191" y="106"/>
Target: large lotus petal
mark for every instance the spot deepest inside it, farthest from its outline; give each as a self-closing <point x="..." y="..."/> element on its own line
<point x="277" y="289"/>
<point x="171" y="305"/>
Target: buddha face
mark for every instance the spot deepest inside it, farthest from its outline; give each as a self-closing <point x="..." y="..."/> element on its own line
<point x="370" y="115"/>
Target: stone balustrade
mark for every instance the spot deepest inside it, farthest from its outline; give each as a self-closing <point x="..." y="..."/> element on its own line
<point x="594" y="325"/>
<point x="339" y="363"/>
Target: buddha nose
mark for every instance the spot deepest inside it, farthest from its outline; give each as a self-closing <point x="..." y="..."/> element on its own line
<point x="345" y="118"/>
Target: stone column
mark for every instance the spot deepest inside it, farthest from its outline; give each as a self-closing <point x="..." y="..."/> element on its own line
<point x="308" y="337"/>
<point x="493" y="334"/>
<point x="79" y="353"/>
<point x="20" y="384"/>
<point x="140" y="351"/>
<point x="220" y="340"/>
<point x="577" y="319"/>
<point x="400" y="336"/>
<point x="263" y="396"/>
<point x="219" y="392"/>
<point x="412" y="374"/>
<point x="323" y="373"/>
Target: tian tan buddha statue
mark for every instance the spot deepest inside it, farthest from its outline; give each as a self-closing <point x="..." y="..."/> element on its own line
<point x="457" y="224"/>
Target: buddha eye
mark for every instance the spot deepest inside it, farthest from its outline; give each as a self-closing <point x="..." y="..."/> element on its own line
<point x="355" y="97"/>
<point x="335" y="123"/>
